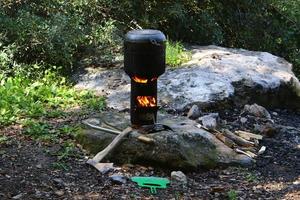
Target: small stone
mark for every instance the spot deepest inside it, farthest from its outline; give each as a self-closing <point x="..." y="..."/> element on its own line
<point x="59" y="182"/>
<point x="39" y="166"/>
<point x="118" y="179"/>
<point x="103" y="168"/>
<point x="262" y="150"/>
<point x="59" y="192"/>
<point x="243" y="120"/>
<point x="38" y="194"/>
<point x="267" y="129"/>
<point x="257" y="111"/>
<point x="275" y="113"/>
<point x="178" y="177"/>
<point x="194" y="112"/>
<point x="209" y="121"/>
<point x="19" y="196"/>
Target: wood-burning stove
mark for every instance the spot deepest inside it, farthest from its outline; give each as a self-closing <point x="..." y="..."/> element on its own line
<point x="144" y="62"/>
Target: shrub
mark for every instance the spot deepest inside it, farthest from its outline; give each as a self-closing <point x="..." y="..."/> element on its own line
<point x="58" y="33"/>
<point x="67" y="33"/>
<point x="176" y="54"/>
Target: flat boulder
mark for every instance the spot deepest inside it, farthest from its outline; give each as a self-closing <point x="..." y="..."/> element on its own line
<point x="180" y="146"/>
<point x="215" y="75"/>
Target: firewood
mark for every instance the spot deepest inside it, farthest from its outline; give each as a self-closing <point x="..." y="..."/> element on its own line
<point x="246" y="135"/>
<point x="253" y="155"/>
<point x="228" y="142"/>
<point x="252" y="149"/>
<point x="238" y="140"/>
<point x="116" y="132"/>
<point x="145" y="139"/>
<point x="245" y="153"/>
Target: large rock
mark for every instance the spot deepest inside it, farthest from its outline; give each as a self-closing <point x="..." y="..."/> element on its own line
<point x="215" y="75"/>
<point x="185" y="147"/>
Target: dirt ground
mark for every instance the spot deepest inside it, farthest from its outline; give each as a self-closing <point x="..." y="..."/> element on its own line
<point x="30" y="170"/>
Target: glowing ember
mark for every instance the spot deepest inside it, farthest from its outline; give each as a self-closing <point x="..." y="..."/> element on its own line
<point x="139" y="79"/>
<point x="154" y="79"/>
<point x="146" y="101"/>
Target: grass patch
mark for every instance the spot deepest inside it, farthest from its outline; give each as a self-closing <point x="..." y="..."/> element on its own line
<point x="176" y="54"/>
<point x="24" y="98"/>
<point x="232" y="195"/>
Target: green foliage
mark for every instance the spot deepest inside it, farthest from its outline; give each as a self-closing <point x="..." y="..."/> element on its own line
<point x="68" y="150"/>
<point x="60" y="166"/>
<point x="176" y="54"/>
<point x="67" y="33"/>
<point x="36" y="128"/>
<point x="250" y="177"/>
<point x="272" y="25"/>
<point x="3" y="139"/>
<point x="58" y="33"/>
<point x="23" y="98"/>
<point x="232" y="195"/>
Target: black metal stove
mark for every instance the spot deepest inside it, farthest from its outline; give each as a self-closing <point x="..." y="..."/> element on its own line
<point x="144" y="62"/>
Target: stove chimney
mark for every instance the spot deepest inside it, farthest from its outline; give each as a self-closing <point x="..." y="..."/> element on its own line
<point x="144" y="62"/>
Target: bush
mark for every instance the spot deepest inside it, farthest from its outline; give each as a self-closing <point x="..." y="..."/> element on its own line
<point x="176" y="54"/>
<point x="67" y="33"/>
<point x="272" y="26"/>
<point x="58" y="33"/>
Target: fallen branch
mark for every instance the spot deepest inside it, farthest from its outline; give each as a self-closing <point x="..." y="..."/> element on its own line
<point x="141" y="138"/>
<point x="101" y="128"/>
<point x="99" y="156"/>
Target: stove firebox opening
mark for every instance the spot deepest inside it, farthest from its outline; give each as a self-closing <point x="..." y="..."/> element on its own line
<point x="144" y="62"/>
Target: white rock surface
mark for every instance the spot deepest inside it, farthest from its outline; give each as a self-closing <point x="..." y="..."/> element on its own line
<point x="208" y="77"/>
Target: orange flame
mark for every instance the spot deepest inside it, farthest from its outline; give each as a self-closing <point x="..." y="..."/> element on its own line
<point x="139" y="79"/>
<point x="146" y="101"/>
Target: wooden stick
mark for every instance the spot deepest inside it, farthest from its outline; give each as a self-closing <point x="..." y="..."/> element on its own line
<point x="252" y="149"/>
<point x="240" y="141"/>
<point x="225" y="140"/>
<point x="141" y="138"/>
<point x="145" y="139"/>
<point x="245" y="153"/>
<point x="246" y="135"/>
<point x="112" y="145"/>
<point x="101" y="128"/>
